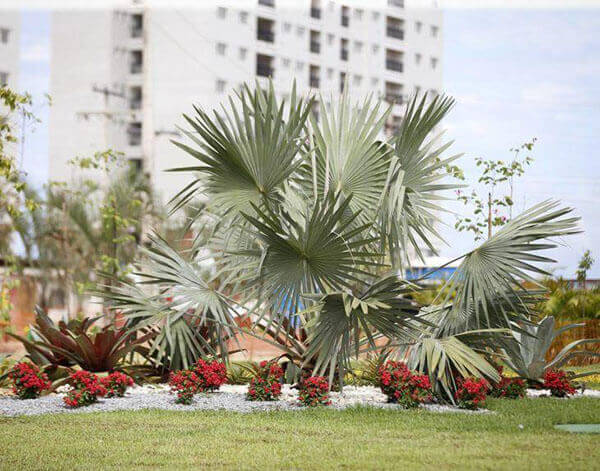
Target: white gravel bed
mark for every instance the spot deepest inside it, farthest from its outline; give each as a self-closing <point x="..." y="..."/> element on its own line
<point x="229" y="397"/>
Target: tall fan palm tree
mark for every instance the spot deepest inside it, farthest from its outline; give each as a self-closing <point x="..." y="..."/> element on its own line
<point x="312" y="222"/>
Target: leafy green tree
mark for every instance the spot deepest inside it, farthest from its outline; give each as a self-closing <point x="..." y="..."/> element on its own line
<point x="583" y="267"/>
<point x="313" y="222"/>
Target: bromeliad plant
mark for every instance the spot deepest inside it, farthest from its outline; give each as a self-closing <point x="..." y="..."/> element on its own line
<point x="310" y="223"/>
<point x="525" y="353"/>
<point x="73" y="343"/>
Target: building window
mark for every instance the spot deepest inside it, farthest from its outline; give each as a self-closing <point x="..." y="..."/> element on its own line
<point x="137" y="25"/>
<point x="137" y="165"/>
<point x="344" y="49"/>
<point x="330" y="39"/>
<point x="287" y="27"/>
<point x="396" y="3"/>
<point x="374" y="82"/>
<point x="418" y="26"/>
<point x="220" y="86"/>
<point x="315" y="9"/>
<point x="434" y="31"/>
<point x="3" y="78"/>
<point x="300" y="31"/>
<point x="393" y="93"/>
<point x="267" y="3"/>
<point x="434" y="62"/>
<point x="264" y="65"/>
<point x="342" y="81"/>
<point x="221" y="12"/>
<point x="221" y="48"/>
<point x="345" y="19"/>
<point x="358" y="45"/>
<point x="243" y="53"/>
<point x="375" y="16"/>
<point x="418" y="58"/>
<point x="315" y="42"/>
<point x="135" y="98"/>
<point x="395" y="27"/>
<point x="313" y="78"/>
<point x="299" y="65"/>
<point x="136" y="62"/>
<point x="4" y="34"/>
<point x="357" y="80"/>
<point x="417" y="90"/>
<point x="265" y="30"/>
<point x="330" y="73"/>
<point x="286" y="62"/>
<point x="375" y="48"/>
<point x="243" y="17"/>
<point x="358" y="14"/>
<point x="134" y="133"/>
<point x="393" y="60"/>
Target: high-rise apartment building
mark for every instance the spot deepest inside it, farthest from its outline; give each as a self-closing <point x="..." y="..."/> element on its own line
<point x="10" y="29"/>
<point x="121" y="79"/>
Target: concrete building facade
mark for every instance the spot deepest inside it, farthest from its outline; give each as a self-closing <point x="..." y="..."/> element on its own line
<point x="10" y="35"/>
<point x="122" y="78"/>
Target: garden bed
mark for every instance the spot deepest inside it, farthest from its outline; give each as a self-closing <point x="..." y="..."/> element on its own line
<point x="229" y="397"/>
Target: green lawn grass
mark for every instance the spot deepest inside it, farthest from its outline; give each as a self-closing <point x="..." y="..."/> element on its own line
<point x="316" y="439"/>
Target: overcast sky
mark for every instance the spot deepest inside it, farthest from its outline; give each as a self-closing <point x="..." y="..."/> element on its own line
<point x="516" y="74"/>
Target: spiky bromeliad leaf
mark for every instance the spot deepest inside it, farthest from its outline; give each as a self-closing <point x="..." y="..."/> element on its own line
<point x="488" y="282"/>
<point x="344" y="323"/>
<point x="323" y="252"/>
<point x="410" y="204"/>
<point x="193" y="318"/>
<point x="246" y="154"/>
<point x="348" y="156"/>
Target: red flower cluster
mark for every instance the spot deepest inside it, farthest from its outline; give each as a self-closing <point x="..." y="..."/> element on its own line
<point x="28" y="381"/>
<point x="185" y="384"/>
<point x="558" y="383"/>
<point x="508" y="388"/>
<point x="266" y="385"/>
<point x="314" y="391"/>
<point x="471" y="392"/>
<point x="86" y="389"/>
<point x="116" y="384"/>
<point x="402" y="385"/>
<point x="211" y="374"/>
<point x="206" y="375"/>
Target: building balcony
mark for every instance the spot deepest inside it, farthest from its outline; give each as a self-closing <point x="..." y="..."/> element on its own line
<point x="395" y="98"/>
<point x="314" y="81"/>
<point x="315" y="13"/>
<point x="264" y="70"/>
<point x="267" y="3"/>
<point x="395" y="65"/>
<point x="315" y="47"/>
<point x="345" y="20"/>
<point x="266" y="35"/>
<point x="395" y="32"/>
<point x="344" y="54"/>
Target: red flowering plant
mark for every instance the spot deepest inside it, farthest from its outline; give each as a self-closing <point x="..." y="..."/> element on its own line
<point x="185" y="384"/>
<point x="402" y="385"/>
<point x="86" y="389"/>
<point x="471" y="392"/>
<point x="116" y="384"/>
<point x="508" y="388"/>
<point x="28" y="381"/>
<point x="314" y="391"/>
<point x="211" y="374"/>
<point x="265" y="385"/>
<point x="558" y="383"/>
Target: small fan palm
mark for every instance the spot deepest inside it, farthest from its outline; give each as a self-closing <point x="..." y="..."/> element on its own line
<point x="308" y="213"/>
